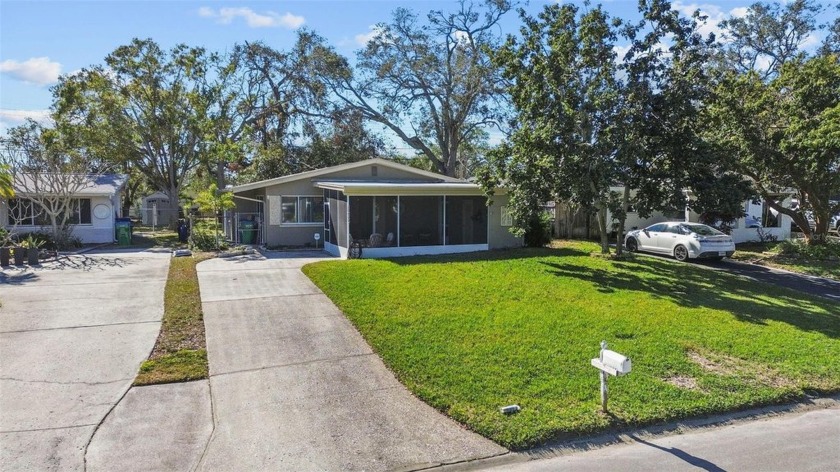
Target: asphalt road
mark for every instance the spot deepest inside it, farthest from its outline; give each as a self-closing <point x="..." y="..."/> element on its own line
<point x="801" y="283"/>
<point x="802" y="442"/>
<point x="811" y="285"/>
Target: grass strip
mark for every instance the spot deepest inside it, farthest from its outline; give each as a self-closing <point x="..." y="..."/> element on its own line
<point x="180" y="353"/>
<point x="471" y="333"/>
<point x="769" y="256"/>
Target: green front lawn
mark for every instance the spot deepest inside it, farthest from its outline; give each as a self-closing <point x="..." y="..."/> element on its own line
<point x="471" y="333"/>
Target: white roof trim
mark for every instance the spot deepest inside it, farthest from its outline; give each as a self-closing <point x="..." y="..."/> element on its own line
<point x="352" y="165"/>
<point x="404" y="188"/>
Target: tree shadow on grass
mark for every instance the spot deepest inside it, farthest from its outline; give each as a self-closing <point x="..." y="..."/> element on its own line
<point x="695" y="287"/>
<point x="492" y="255"/>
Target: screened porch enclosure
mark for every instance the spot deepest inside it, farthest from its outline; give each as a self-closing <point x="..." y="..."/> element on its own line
<point x="404" y="221"/>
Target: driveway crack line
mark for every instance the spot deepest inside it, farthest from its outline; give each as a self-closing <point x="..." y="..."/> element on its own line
<point x="46" y="429"/>
<point x="64" y="383"/>
<point x="80" y="327"/>
<point x="99" y="424"/>
<point x="292" y="364"/>
<point x="215" y="421"/>
<point x="228" y="299"/>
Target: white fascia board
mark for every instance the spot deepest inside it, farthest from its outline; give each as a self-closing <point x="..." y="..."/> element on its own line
<point x="378" y="161"/>
<point x="392" y="189"/>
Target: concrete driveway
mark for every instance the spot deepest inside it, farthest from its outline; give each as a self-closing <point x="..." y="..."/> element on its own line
<point x="72" y="336"/>
<point x="295" y="387"/>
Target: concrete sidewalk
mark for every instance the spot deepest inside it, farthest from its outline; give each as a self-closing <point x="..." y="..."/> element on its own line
<point x="295" y="387"/>
<point x="73" y="333"/>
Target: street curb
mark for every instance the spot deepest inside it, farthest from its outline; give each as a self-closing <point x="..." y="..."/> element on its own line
<point x="622" y="436"/>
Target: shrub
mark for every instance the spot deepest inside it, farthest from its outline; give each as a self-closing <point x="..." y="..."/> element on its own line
<point x="828" y="251"/>
<point x="538" y="233"/>
<point x="205" y="240"/>
<point x="42" y="240"/>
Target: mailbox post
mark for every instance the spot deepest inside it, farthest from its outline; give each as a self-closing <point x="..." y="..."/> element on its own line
<point x="604" y="391"/>
<point x="609" y="362"/>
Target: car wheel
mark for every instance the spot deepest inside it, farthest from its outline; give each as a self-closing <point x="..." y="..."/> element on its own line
<point x="632" y="245"/>
<point x="681" y="253"/>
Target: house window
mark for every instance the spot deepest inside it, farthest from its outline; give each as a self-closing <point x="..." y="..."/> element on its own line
<point x="301" y="209"/>
<point x="24" y="212"/>
<point x="507" y="216"/>
<point x="80" y="212"/>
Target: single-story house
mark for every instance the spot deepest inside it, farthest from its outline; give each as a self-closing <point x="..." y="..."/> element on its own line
<point x="386" y="208"/>
<point x="96" y="204"/>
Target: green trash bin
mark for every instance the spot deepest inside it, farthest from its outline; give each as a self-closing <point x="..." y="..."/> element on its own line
<point x="123" y="232"/>
<point x="247" y="232"/>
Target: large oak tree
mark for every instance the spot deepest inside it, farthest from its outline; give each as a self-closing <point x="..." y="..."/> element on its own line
<point x="430" y="82"/>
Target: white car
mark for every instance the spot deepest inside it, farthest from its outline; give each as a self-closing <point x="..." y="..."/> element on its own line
<point x="682" y="240"/>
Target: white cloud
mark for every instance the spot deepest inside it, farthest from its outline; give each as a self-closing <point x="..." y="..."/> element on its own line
<point x="363" y="38"/>
<point x="811" y="41"/>
<point x="268" y="19"/>
<point x="739" y="12"/>
<point x="715" y="15"/>
<point x="620" y="52"/>
<point x="460" y="37"/>
<point x="10" y="118"/>
<point x="37" y="70"/>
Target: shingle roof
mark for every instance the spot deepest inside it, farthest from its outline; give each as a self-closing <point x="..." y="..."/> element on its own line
<point x="87" y="185"/>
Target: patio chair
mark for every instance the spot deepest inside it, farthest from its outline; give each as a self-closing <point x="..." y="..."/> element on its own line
<point x="375" y="240"/>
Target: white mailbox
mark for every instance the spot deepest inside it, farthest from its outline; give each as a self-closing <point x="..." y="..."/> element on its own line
<point x="613" y="363"/>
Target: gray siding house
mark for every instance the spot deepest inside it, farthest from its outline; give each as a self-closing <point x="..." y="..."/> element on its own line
<point x="388" y="209"/>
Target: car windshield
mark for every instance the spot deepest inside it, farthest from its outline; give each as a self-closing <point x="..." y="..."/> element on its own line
<point x="702" y="230"/>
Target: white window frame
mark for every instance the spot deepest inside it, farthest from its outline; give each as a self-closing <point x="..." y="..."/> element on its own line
<point x="506" y="216"/>
<point x="31" y="219"/>
<point x="297" y="211"/>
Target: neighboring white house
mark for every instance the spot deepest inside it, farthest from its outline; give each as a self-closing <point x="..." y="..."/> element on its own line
<point x="758" y="219"/>
<point x="97" y="204"/>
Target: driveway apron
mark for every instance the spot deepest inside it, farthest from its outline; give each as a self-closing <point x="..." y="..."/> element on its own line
<point x="72" y="335"/>
<point x="295" y="387"/>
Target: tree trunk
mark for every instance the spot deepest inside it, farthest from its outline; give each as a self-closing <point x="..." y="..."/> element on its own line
<point x="619" y="235"/>
<point x="220" y="175"/>
<point x="602" y="228"/>
<point x="174" y="205"/>
<point x="820" y="235"/>
<point x="128" y="197"/>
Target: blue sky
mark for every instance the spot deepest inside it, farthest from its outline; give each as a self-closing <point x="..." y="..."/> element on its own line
<point x="41" y="39"/>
